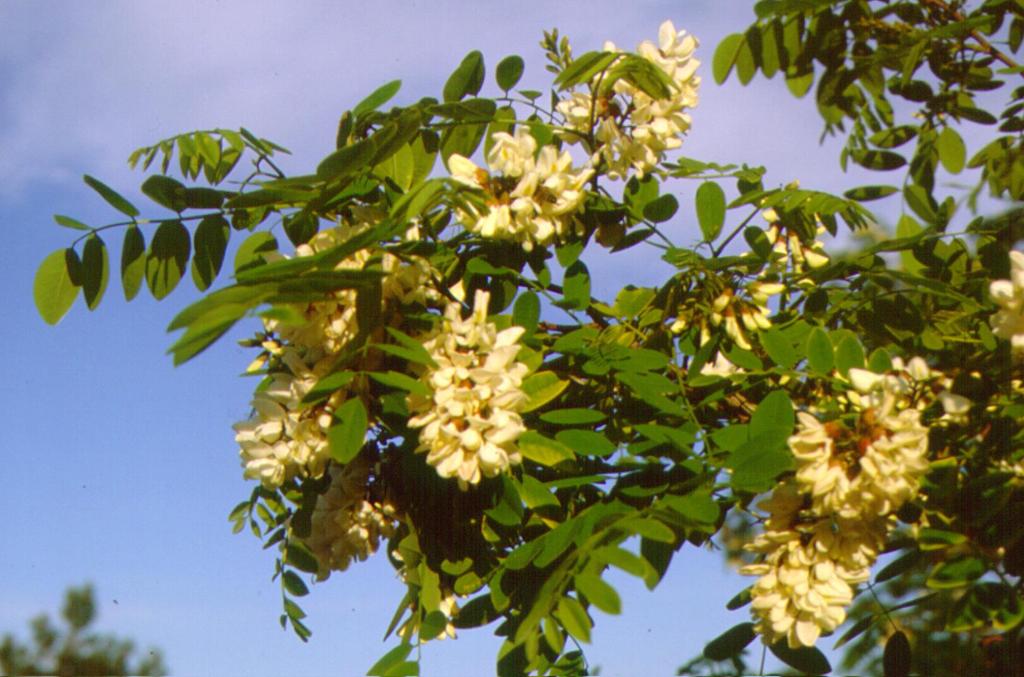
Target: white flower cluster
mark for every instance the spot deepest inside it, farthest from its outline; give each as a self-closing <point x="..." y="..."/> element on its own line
<point x="827" y="524"/>
<point x="1008" y="322"/>
<point x="284" y="438"/>
<point x="634" y="134"/>
<point x="329" y="324"/>
<point x="470" y="420"/>
<point x="345" y="525"/>
<point x="531" y="201"/>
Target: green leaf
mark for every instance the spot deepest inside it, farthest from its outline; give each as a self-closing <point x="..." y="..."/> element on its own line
<point x="937" y="539"/>
<point x="467" y="79"/>
<point x="908" y="227"/>
<point x="755" y="466"/>
<point x="576" y="286"/>
<point x="167" y="257"/>
<point x="526" y="312"/>
<point x="598" y="592"/>
<point x="394" y="379"/>
<point x="820" y="356"/>
<point x="893" y="137"/>
<point x="250" y="252"/>
<point x="509" y="70"/>
<point x="986" y="604"/>
<point x="203" y="198"/>
<point x="165" y="191"/>
<point x="572" y="416"/>
<point x="778" y="348"/>
<point x="807" y="659"/>
<point x="210" y="241"/>
<point x="650" y="529"/>
<point x="299" y="556"/>
<point x="662" y="208"/>
<point x="348" y="433"/>
<point x="878" y="160"/>
<point x="414" y="350"/>
<point x="543" y="450"/>
<point x="95" y="270"/>
<point x="377" y="98"/>
<point x="799" y="84"/>
<point x="868" y="193"/>
<point x="955" y="573"/>
<point x="294" y="584"/>
<point x="896" y="657"/>
<point x="584" y="67"/>
<point x="346" y="160"/>
<point x="133" y="262"/>
<point x="921" y="202"/>
<point x="858" y="629"/>
<point x="54" y="288"/>
<point x="740" y="599"/>
<point x="535" y="494"/>
<point x="69" y="222"/>
<point x="710" y="202"/>
<point x="952" y="151"/>
<point x="111" y="196"/>
<point x="849" y="355"/>
<point x="328" y="385"/>
<point x="725" y="56"/>
<point x="730" y="643"/>
<point x="774" y="418"/>
<point x="573" y="617"/>
<point x="389" y="661"/>
<point x="586" y="442"/>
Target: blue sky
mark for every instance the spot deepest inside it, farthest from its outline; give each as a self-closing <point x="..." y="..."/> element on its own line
<point x="120" y="469"/>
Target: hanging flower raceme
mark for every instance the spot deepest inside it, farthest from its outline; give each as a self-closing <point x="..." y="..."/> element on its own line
<point x="632" y="130"/>
<point x="789" y="251"/>
<point x="329" y="324"/>
<point x="827" y="523"/>
<point x="1008" y="322"/>
<point x="283" y="439"/>
<point x="528" y="200"/>
<point x="346" y="525"/>
<point x="741" y="315"/>
<point x="469" y="421"/>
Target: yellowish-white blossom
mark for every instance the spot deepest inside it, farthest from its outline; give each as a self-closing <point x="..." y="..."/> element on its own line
<point x="633" y="135"/>
<point x="1008" y="322"/>
<point x="827" y="524"/>
<point x="327" y="325"/>
<point x="282" y="439"/>
<point x="346" y="525"/>
<point x="530" y="198"/>
<point x="739" y="315"/>
<point x="469" y="423"/>
<point x="789" y="252"/>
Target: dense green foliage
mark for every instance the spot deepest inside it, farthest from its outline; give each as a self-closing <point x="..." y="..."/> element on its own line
<point x="635" y="426"/>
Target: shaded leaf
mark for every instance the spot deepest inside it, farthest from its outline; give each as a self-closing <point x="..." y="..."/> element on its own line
<point x="111" y="196"/>
<point x="95" y="270"/>
<point x="807" y="659"/>
<point x="730" y="643"/>
<point x="167" y="257"/>
<point x="467" y="79"/>
<point x="509" y="70"/>
<point x="133" y="262"/>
